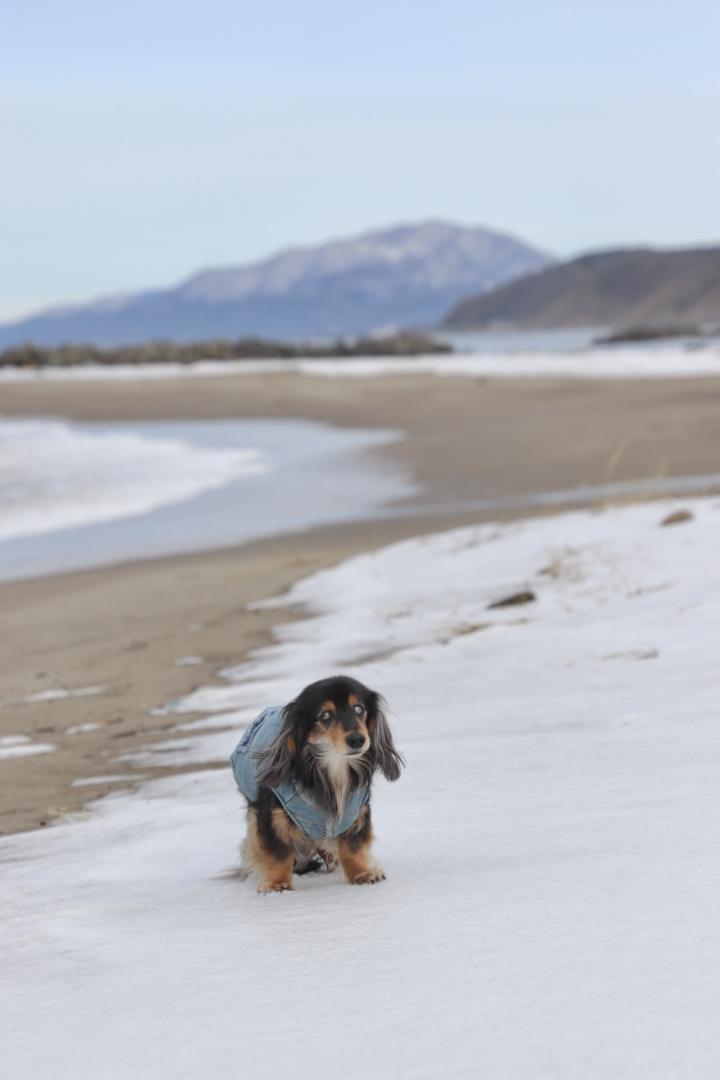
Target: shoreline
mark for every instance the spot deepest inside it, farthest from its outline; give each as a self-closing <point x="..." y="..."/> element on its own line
<point x="125" y="627"/>
<point x="464" y="438"/>
<point x="559" y="359"/>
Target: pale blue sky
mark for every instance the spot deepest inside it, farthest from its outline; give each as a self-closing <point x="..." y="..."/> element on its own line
<point x="145" y="140"/>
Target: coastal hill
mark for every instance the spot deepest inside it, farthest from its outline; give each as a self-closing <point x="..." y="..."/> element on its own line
<point x="624" y="288"/>
<point x="405" y="276"/>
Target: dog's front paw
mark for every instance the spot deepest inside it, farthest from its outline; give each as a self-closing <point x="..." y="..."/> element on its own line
<point x="275" y="886"/>
<point x="368" y="877"/>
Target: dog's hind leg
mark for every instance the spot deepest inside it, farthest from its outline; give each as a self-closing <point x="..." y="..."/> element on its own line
<point x="319" y="861"/>
<point x="312" y="865"/>
<point x="305" y="858"/>
<point x="329" y="858"/>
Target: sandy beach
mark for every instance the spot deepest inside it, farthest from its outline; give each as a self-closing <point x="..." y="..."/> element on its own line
<point x="121" y="631"/>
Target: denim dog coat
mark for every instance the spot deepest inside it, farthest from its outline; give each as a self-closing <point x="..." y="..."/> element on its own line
<point x="307" y="815"/>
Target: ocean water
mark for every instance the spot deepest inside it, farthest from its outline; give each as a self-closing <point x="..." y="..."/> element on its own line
<point x="75" y="495"/>
<point x="523" y="341"/>
<point x="54" y="474"/>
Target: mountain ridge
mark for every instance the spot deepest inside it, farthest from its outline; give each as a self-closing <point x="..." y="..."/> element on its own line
<point x="406" y="275"/>
<point x="622" y="287"/>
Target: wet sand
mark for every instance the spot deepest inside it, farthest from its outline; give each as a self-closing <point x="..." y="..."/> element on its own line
<point x="124" y="628"/>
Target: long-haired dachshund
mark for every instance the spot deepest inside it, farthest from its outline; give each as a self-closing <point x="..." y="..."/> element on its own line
<point x="306" y="770"/>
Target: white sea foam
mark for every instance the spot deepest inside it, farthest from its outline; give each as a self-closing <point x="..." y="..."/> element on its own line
<point x="55" y="475"/>
<point x="616" y="362"/>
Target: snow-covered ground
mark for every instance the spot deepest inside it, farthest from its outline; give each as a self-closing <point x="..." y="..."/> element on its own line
<point x="551" y="908"/>
<point x="21" y="746"/>
<point x="616" y="362"/>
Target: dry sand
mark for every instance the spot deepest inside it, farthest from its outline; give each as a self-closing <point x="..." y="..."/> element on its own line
<point x="125" y="627"/>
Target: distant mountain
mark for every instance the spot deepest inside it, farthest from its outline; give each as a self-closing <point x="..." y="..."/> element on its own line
<point x="405" y="276"/>
<point x="642" y="287"/>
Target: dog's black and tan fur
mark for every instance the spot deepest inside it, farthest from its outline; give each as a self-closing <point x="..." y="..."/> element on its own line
<point x="334" y="738"/>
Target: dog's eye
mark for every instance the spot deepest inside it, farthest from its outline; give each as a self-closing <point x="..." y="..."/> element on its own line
<point x="359" y="709"/>
<point x="324" y="716"/>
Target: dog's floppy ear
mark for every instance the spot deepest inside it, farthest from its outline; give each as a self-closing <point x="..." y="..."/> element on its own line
<point x="277" y="762"/>
<point x="387" y="758"/>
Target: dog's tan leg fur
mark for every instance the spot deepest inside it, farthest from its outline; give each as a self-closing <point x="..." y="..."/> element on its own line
<point x="275" y="874"/>
<point x="354" y="851"/>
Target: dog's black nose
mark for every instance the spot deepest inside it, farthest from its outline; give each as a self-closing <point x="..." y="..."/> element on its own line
<point x="355" y="740"/>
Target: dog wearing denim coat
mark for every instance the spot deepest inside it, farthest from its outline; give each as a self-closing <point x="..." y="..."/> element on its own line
<point x="306" y="770"/>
